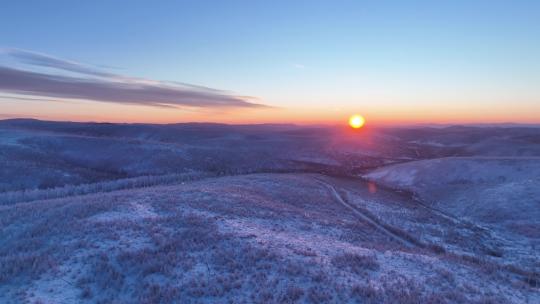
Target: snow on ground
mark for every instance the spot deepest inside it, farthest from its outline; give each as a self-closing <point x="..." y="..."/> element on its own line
<point x="488" y="189"/>
<point x="500" y="194"/>
<point x="135" y="211"/>
<point x="262" y="238"/>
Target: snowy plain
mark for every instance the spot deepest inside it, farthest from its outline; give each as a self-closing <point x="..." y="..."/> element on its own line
<point x="204" y="213"/>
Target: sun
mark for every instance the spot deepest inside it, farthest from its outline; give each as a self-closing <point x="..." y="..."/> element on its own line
<point x="356" y="121"/>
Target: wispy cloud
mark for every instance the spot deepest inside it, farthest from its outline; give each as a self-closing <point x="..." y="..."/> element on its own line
<point x="44" y="60"/>
<point x="96" y="85"/>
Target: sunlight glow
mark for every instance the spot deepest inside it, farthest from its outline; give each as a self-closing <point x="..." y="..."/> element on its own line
<point x="356" y="121"/>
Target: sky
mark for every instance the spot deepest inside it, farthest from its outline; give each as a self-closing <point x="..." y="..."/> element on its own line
<point x="302" y="62"/>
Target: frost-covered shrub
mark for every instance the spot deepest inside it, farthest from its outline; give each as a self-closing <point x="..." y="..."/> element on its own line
<point x="155" y="294"/>
<point x="291" y="294"/>
<point x="356" y="263"/>
<point x="319" y="294"/>
<point x="24" y="264"/>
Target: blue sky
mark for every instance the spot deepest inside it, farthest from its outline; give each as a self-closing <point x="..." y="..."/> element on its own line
<point x="385" y="58"/>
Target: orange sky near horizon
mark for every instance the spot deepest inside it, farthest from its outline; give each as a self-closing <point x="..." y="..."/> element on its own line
<point x="375" y="115"/>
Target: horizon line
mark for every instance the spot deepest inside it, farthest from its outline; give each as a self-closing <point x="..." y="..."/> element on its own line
<point x="401" y="124"/>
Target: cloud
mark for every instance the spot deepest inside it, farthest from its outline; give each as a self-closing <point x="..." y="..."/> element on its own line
<point x="43" y="60"/>
<point x="108" y="87"/>
<point x="38" y="84"/>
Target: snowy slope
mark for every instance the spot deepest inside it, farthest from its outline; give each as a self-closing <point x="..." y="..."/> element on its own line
<point x="263" y="238"/>
<point x="499" y="194"/>
<point x="499" y="190"/>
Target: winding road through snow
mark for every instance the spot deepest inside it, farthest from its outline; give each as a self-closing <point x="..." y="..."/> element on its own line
<point x="367" y="218"/>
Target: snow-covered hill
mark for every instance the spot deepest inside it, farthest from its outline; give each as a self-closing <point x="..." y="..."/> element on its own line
<point x="211" y="213"/>
<point x="491" y="189"/>
<point x="263" y="238"/>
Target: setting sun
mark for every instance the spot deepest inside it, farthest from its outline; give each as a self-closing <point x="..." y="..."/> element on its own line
<point x="356" y="121"/>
